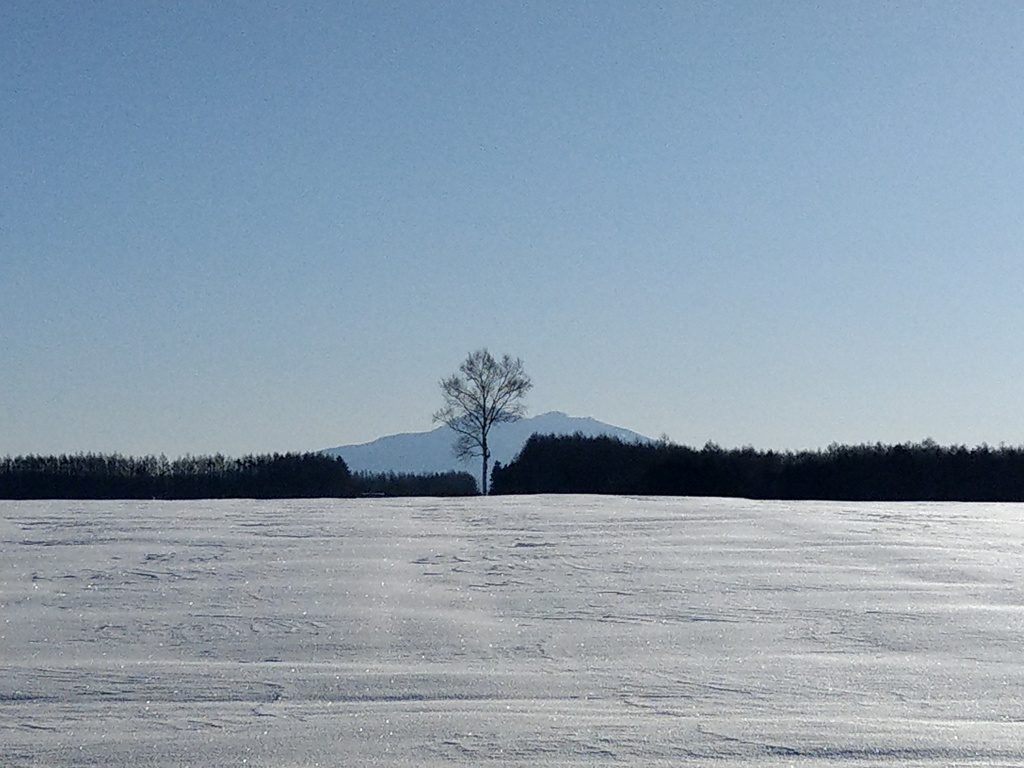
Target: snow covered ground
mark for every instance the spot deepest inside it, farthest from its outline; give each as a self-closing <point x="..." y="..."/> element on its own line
<point x="540" y="631"/>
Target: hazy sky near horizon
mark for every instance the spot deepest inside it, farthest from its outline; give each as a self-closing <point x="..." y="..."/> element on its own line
<point x="249" y="226"/>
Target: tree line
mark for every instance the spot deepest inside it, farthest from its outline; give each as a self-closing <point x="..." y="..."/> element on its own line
<point x="548" y="464"/>
<point x="414" y="484"/>
<point x="288" y="475"/>
<point x="906" y="472"/>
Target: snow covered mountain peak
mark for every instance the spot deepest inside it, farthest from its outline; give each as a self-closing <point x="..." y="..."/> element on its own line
<point x="432" y="451"/>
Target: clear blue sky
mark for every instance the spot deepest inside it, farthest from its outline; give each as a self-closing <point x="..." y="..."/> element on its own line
<point x="251" y="226"/>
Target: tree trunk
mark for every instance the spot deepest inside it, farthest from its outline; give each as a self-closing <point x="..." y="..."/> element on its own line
<point x="483" y="475"/>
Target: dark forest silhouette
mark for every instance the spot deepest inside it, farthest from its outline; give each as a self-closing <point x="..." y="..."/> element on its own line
<point x="289" y="475"/>
<point x="907" y="472"/>
<point x="548" y="464"/>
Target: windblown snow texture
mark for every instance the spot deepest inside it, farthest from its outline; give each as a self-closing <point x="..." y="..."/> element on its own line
<point x="554" y="631"/>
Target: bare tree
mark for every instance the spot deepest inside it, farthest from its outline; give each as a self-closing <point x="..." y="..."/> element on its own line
<point x="485" y="392"/>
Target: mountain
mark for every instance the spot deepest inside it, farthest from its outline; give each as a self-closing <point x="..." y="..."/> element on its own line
<point x="432" y="451"/>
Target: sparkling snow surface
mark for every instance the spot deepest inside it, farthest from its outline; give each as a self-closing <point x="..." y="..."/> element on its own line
<point x="539" y="631"/>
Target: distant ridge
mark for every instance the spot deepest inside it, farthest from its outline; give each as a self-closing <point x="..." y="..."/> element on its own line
<point x="432" y="451"/>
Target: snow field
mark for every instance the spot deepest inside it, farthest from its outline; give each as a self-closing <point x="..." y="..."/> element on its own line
<point x="550" y="630"/>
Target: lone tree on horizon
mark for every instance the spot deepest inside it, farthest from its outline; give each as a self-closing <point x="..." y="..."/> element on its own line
<point x="485" y="392"/>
